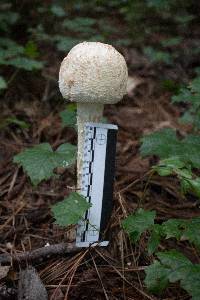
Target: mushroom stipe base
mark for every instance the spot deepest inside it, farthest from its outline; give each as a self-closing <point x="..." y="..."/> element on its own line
<point x="98" y="170"/>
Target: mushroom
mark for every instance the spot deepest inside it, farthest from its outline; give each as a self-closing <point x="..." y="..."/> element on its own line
<point x="92" y="74"/>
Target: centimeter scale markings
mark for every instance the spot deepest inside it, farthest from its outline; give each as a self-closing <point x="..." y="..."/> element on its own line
<point x="97" y="182"/>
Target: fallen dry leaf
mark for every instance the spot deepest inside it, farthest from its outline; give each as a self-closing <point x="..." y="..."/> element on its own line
<point x="132" y="83"/>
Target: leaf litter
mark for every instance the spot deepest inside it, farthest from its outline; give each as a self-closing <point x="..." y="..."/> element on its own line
<point x="116" y="272"/>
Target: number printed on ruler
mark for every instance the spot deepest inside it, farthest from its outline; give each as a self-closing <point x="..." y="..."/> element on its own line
<point x="92" y="185"/>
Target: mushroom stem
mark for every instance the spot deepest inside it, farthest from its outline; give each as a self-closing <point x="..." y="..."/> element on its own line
<point x="86" y="112"/>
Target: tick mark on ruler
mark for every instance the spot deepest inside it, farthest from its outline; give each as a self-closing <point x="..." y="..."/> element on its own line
<point x="101" y="139"/>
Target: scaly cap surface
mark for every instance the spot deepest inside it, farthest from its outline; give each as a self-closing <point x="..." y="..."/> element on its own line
<point x="93" y="72"/>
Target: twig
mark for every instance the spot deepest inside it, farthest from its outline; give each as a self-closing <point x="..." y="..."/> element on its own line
<point x="22" y="204"/>
<point x="13" y="180"/>
<point x="40" y="253"/>
<point x="104" y="290"/>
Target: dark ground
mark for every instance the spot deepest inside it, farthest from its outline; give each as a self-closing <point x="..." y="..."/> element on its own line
<point x="26" y="222"/>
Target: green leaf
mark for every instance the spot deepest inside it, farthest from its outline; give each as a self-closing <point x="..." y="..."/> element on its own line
<point x="163" y="143"/>
<point x="68" y="117"/>
<point x="31" y="49"/>
<point x="175" y="41"/>
<point x="3" y="84"/>
<point x="187" y="118"/>
<point x="7" y="18"/>
<point x="184" y="19"/>
<point x="157" y="56"/>
<point x="195" y="85"/>
<point x="64" y="43"/>
<point x="154" y="241"/>
<point x="14" y="120"/>
<point x="25" y="63"/>
<point x="81" y="25"/>
<point x="173" y="266"/>
<point x="192" y="231"/>
<point x="170" y="85"/>
<point x="70" y="210"/>
<point x="191" y="185"/>
<point x="159" y="4"/>
<point x="183" y="96"/>
<point x="190" y="282"/>
<point x="191" y="149"/>
<point x="174" y="228"/>
<point x="40" y="161"/>
<point x="169" y="166"/>
<point x="197" y="70"/>
<point x="57" y="10"/>
<point x="176" y="262"/>
<point x="183" y="229"/>
<point x="156" y="279"/>
<point x="190" y="95"/>
<point x="163" y="170"/>
<point x="138" y="223"/>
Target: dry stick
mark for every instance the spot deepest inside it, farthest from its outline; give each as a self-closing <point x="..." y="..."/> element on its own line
<point x="134" y="182"/>
<point x="13" y="180"/>
<point x="13" y="215"/>
<point x="122" y="260"/>
<point x="151" y="173"/>
<point x="40" y="253"/>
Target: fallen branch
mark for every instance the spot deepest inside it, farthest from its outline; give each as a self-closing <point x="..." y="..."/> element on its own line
<point x="40" y="253"/>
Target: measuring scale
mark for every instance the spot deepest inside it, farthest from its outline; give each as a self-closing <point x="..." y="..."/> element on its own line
<point x="97" y="182"/>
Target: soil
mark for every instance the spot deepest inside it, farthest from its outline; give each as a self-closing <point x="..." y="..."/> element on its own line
<point x="26" y="222"/>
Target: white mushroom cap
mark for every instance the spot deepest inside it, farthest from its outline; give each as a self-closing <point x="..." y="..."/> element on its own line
<point x="93" y="72"/>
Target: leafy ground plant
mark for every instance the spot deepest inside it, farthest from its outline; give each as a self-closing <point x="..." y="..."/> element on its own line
<point x="190" y="95"/>
<point x="180" y="158"/>
<point x="170" y="266"/>
<point x="179" y="229"/>
<point x="40" y="161"/>
<point x="75" y="204"/>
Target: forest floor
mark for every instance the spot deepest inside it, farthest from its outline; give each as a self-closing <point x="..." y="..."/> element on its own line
<point x="26" y="222"/>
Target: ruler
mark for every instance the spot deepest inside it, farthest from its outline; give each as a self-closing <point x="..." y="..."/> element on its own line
<point x="97" y="182"/>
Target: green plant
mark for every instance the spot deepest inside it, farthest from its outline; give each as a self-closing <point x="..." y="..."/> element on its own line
<point x="172" y="265"/>
<point x="68" y="116"/>
<point x="180" y="158"/>
<point x="180" y="229"/>
<point x="13" y="54"/>
<point x="70" y="210"/>
<point x="190" y="95"/>
<point x="40" y="161"/>
<point x="158" y="56"/>
<point x="13" y="121"/>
